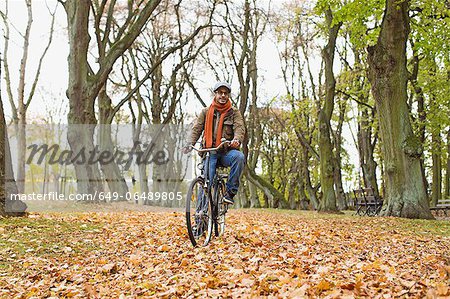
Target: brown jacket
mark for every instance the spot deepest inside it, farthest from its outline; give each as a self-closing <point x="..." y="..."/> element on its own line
<point x="233" y="126"/>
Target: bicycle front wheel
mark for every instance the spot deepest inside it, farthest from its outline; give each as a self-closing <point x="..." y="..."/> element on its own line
<point x="199" y="220"/>
<point x="220" y="209"/>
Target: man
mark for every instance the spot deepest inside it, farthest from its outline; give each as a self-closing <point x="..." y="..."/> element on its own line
<point x="221" y="120"/>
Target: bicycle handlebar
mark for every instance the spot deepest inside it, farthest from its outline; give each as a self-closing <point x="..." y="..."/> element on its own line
<point x="204" y="150"/>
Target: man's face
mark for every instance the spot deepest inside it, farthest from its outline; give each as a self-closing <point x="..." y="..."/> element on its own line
<point x="222" y="95"/>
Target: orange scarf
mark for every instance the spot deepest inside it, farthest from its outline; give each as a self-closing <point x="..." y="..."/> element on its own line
<point x="222" y="109"/>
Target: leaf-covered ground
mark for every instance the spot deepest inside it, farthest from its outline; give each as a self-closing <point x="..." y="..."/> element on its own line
<point x="263" y="253"/>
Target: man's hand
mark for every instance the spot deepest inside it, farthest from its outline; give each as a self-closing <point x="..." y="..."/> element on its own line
<point x="235" y="143"/>
<point x="187" y="149"/>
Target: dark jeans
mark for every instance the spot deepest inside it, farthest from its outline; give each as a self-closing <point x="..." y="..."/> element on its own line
<point x="234" y="159"/>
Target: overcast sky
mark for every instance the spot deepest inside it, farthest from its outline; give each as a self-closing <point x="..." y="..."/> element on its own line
<point x="54" y="75"/>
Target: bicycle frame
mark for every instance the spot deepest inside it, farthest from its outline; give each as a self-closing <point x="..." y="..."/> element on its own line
<point x="208" y="152"/>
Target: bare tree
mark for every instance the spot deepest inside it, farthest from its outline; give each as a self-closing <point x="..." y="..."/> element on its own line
<point x="294" y="34"/>
<point x="245" y="31"/>
<point x="165" y="43"/>
<point x="21" y="101"/>
<point x="7" y="183"/>
<point x="85" y="84"/>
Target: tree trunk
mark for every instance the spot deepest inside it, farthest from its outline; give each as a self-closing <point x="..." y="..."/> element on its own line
<point x="291" y="193"/>
<point x="405" y="194"/>
<point x="366" y="141"/>
<point x="421" y="112"/>
<point x="84" y="85"/>
<point x="142" y="167"/>
<point x="340" y="195"/>
<point x="436" y="186"/>
<point x="269" y="190"/>
<point x="110" y="170"/>
<point x="447" y="172"/>
<point x="21" y="149"/>
<point x="81" y="116"/>
<point x="303" y="200"/>
<point x="19" y="112"/>
<point x="328" y="201"/>
<point x="366" y="150"/>
<point x="436" y="190"/>
<point x="244" y="201"/>
<point x="312" y="192"/>
<point x="8" y="185"/>
<point x="254" y="199"/>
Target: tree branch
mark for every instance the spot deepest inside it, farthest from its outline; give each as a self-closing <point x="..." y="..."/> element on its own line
<point x="119" y="47"/>
<point x="354" y="99"/>
<point x="6" y="65"/>
<point x="107" y="26"/>
<point x="154" y="66"/>
<point x="38" y="71"/>
<point x="23" y="62"/>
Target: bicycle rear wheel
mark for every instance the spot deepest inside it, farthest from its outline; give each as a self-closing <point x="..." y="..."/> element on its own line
<point x="199" y="220"/>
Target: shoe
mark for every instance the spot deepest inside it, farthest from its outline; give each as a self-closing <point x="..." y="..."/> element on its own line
<point x="228" y="199"/>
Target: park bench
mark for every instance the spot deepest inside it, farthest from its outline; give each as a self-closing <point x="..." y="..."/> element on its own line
<point x="443" y="206"/>
<point x="366" y="202"/>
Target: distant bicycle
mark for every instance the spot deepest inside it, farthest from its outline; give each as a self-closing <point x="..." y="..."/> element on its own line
<point x="205" y="207"/>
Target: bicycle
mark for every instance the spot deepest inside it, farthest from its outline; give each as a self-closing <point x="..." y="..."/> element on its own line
<point x="205" y="207"/>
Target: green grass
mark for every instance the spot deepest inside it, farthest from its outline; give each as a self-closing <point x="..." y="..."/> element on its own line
<point x="413" y="226"/>
<point x="41" y="237"/>
<point x="426" y="227"/>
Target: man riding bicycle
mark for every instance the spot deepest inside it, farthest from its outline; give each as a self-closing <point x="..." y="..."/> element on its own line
<point x="221" y="120"/>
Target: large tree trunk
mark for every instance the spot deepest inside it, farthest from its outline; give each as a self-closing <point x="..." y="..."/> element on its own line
<point x="81" y="116"/>
<point x="328" y="201"/>
<point x="405" y="194"/>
